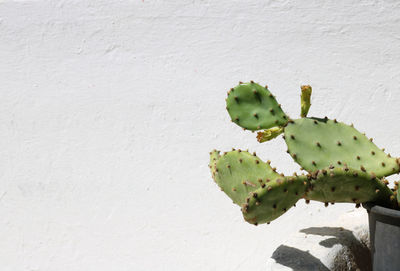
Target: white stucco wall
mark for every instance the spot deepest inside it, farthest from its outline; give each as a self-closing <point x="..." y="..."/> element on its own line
<point x="108" y="110"/>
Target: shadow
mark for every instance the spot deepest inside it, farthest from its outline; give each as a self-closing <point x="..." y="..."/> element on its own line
<point x="297" y="259"/>
<point x="355" y="254"/>
<point x="329" y="242"/>
<point x="359" y="251"/>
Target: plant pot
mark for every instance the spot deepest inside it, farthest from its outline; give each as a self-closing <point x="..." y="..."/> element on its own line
<point x="384" y="230"/>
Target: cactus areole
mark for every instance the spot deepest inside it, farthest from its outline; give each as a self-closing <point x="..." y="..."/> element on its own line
<point x="342" y="164"/>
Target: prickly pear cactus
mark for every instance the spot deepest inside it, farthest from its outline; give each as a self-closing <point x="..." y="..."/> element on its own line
<point x="319" y="143"/>
<point x="264" y="195"/>
<point x="305" y="100"/>
<point x="238" y="173"/>
<point x="328" y="185"/>
<point x="269" y="134"/>
<point x="252" y="184"/>
<point x="348" y="185"/>
<point x="343" y="164"/>
<point x="268" y="203"/>
<point x="253" y="107"/>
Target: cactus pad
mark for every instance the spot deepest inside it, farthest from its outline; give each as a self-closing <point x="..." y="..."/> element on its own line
<point x="238" y="173"/>
<point x="269" y="134"/>
<point x="305" y="100"/>
<point x="268" y="203"/>
<point x="348" y="185"/>
<point x="318" y="143"/>
<point x="253" y="107"/>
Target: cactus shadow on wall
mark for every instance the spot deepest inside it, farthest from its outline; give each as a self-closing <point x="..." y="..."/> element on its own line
<point x="297" y="259"/>
<point x="355" y="252"/>
<point x="354" y="248"/>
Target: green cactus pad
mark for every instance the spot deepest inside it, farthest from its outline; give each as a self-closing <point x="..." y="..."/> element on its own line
<point x="348" y="185"/>
<point x="253" y="107"/>
<point x="318" y="143"/>
<point x="268" y="203"/>
<point x="238" y="173"/>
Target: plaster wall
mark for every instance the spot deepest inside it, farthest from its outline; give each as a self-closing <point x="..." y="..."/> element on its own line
<point x="108" y="110"/>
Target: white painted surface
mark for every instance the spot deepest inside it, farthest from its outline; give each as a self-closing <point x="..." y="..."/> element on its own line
<point x="108" y="110"/>
<point x="342" y="245"/>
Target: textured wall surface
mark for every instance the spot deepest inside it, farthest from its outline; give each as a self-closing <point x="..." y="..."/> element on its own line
<point x="108" y="110"/>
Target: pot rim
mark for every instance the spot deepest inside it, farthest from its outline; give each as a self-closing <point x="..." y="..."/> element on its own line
<point x="379" y="210"/>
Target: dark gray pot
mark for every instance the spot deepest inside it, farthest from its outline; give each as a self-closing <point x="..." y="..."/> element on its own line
<point x="384" y="230"/>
